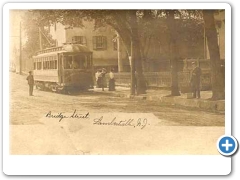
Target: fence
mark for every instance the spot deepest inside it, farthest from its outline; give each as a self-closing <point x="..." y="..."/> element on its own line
<point x="163" y="79"/>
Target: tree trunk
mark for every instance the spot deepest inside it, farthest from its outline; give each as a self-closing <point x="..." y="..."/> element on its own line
<point x="174" y="70"/>
<point x="133" y="74"/>
<point x="217" y="77"/>
<point x="140" y="79"/>
<point x="173" y="54"/>
<point x="136" y="56"/>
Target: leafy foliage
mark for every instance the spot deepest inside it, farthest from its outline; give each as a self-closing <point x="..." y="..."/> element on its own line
<point x="151" y="24"/>
<point x="31" y="29"/>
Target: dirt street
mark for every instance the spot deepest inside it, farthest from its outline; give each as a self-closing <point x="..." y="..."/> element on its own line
<point x="28" y="109"/>
<point x="99" y="123"/>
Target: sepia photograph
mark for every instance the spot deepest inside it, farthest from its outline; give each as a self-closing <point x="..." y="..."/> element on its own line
<point x="116" y="81"/>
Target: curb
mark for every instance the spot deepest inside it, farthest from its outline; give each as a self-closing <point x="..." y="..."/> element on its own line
<point x="203" y="104"/>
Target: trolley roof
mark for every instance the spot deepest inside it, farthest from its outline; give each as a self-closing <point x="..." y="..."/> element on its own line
<point x="74" y="48"/>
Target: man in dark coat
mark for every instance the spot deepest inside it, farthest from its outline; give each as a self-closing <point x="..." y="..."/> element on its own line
<point x="102" y="76"/>
<point x="195" y="80"/>
<point x="30" y="80"/>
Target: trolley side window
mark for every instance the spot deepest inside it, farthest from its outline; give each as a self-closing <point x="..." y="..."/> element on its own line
<point x="49" y="62"/>
<point x="44" y="65"/>
<point x="35" y="66"/>
<point x="67" y="62"/>
<point x="55" y="62"/>
<point x="39" y="65"/>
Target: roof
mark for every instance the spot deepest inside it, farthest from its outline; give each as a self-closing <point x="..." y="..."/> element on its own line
<point x="65" y="48"/>
<point x="76" y="48"/>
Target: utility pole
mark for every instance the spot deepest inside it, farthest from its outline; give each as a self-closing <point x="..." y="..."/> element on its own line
<point x="20" y="50"/>
<point x="204" y="43"/>
<point x="133" y="78"/>
<point x="40" y="38"/>
<point x="119" y="49"/>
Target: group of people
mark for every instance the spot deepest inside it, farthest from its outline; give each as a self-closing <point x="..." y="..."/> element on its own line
<point x="100" y="76"/>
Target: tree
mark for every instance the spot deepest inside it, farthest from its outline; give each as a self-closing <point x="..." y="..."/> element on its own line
<point x="217" y="77"/>
<point x="125" y="22"/>
<point x="175" y="28"/>
<point x="173" y="53"/>
<point x="31" y="28"/>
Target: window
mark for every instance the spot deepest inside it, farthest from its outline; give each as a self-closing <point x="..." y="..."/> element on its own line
<point x="48" y="64"/>
<point x="99" y="42"/>
<point x="35" y="67"/>
<point x="79" y="40"/>
<point x="76" y="62"/>
<point x="67" y="62"/>
<point x="39" y="65"/>
<point x="44" y="64"/>
<point x="55" y="64"/>
<point x="51" y="64"/>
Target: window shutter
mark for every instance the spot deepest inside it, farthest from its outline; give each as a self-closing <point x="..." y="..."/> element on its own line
<point x="104" y="42"/>
<point x="73" y="39"/>
<point x="94" y="42"/>
<point x="84" y="41"/>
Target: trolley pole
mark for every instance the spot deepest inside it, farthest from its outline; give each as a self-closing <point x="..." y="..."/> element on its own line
<point x="20" y="50"/>
<point x="40" y="38"/>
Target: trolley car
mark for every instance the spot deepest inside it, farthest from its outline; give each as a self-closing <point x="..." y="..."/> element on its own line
<point x="64" y="69"/>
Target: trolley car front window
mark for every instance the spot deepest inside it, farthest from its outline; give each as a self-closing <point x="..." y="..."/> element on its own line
<point x="75" y="62"/>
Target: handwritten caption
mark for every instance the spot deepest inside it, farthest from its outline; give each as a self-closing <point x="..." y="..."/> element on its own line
<point x="62" y="116"/>
<point x="140" y="122"/>
<point x="130" y="122"/>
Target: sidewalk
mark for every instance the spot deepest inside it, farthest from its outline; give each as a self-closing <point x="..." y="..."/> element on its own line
<point x="160" y="95"/>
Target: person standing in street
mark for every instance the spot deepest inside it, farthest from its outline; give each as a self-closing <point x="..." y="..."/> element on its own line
<point x="30" y="80"/>
<point x="111" y="81"/>
<point x="195" y="80"/>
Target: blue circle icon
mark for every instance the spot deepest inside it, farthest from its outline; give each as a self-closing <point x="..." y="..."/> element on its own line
<point x="227" y="145"/>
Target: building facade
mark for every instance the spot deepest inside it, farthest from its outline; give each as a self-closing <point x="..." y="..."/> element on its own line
<point x="103" y="42"/>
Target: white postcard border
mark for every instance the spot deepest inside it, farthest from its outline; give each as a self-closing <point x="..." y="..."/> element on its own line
<point x="114" y="165"/>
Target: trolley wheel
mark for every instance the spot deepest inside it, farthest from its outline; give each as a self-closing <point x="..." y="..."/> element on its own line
<point x="53" y="89"/>
<point x="68" y="92"/>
